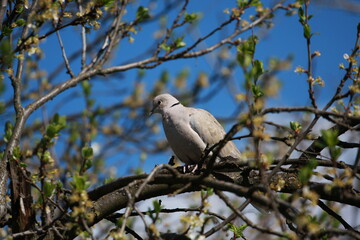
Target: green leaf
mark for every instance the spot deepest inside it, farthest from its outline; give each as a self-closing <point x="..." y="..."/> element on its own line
<point x="246" y="51"/>
<point x="60" y="120"/>
<point x="6" y="31"/>
<point x="315" y="33"/>
<point x="258" y="69"/>
<point x="6" y="53"/>
<point x="87" y="152"/>
<point x="51" y="131"/>
<point x="179" y="42"/>
<point x="330" y="137"/>
<point x="106" y="3"/>
<point x="157" y="206"/>
<point x="242" y="3"/>
<point x="165" y="47"/>
<point x="306" y="172"/>
<point x="56" y="125"/>
<point x="191" y="17"/>
<point x="8" y="131"/>
<point x="335" y="152"/>
<point x="257" y="92"/>
<point x="79" y="182"/>
<point x="47" y="158"/>
<point x="142" y="14"/>
<point x="154" y="213"/>
<point x="90" y="102"/>
<point x="108" y="180"/>
<point x="248" y="3"/>
<point x="307" y="31"/>
<point x="49" y="188"/>
<point x="22" y="164"/>
<point x="88" y="164"/>
<point x="86" y="86"/>
<point x="244" y="59"/>
<point x="295" y="126"/>
<point x="302" y="17"/>
<point x="237" y="230"/>
<point x="2" y="85"/>
<point x="255" y="3"/>
<point x="207" y="192"/>
<point x="19" y="8"/>
<point x="16" y="154"/>
<point x="20" y="22"/>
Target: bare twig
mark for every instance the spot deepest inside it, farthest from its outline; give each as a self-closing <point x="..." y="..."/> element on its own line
<point x="309" y="57"/>
<point x="83" y="39"/>
<point x="245" y="219"/>
<point x="86" y="227"/>
<point x="66" y="61"/>
<point x="336" y="216"/>
<point x="308" y="109"/>
<point x="171" y="29"/>
<point x="111" y="38"/>
<point x="229" y="219"/>
<point x="128" y="210"/>
<point x="2" y="11"/>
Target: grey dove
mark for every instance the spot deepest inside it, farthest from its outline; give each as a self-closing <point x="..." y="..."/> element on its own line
<point x="190" y="130"/>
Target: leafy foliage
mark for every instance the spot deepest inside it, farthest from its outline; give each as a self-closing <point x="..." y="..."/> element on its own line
<point x="238" y="230"/>
<point x="80" y="159"/>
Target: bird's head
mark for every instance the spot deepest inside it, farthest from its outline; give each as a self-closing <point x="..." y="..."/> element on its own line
<point x="163" y="102"/>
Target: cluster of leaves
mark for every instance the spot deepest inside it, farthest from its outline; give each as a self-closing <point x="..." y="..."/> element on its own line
<point x="62" y="182"/>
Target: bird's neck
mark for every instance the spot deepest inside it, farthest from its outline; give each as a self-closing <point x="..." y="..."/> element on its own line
<point x="175" y="104"/>
<point x="169" y="113"/>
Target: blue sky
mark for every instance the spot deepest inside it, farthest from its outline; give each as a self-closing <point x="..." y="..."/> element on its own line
<point x="336" y="30"/>
<point x="337" y="33"/>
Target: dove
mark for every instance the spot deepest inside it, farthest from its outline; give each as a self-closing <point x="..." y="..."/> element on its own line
<point x="190" y="131"/>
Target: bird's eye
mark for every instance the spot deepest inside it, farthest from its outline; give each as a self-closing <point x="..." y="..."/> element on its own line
<point x="159" y="102"/>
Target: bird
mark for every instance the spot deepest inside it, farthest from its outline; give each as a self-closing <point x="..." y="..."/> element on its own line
<point x="190" y="131"/>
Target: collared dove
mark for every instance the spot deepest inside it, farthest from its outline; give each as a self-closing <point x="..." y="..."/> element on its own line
<point x="190" y="130"/>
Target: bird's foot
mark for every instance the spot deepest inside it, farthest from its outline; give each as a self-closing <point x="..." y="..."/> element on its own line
<point x="191" y="168"/>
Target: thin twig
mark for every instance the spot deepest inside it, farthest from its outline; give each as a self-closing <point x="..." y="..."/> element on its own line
<point x="227" y="220"/>
<point x="2" y="11"/>
<point x="245" y="219"/>
<point x="66" y="61"/>
<point x="83" y="38"/>
<point x="142" y="217"/>
<point x="164" y="210"/>
<point x="310" y="79"/>
<point x="171" y="29"/>
<point x="336" y="216"/>
<point x="307" y="109"/>
<point x="112" y="37"/>
<point x="128" y="210"/>
<point x="86" y="227"/>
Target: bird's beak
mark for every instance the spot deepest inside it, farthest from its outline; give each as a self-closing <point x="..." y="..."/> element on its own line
<point x="152" y="111"/>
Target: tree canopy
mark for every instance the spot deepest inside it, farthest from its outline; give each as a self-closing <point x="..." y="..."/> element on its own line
<point x="81" y="158"/>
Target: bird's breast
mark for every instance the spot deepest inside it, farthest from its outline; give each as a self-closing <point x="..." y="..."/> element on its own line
<point x="185" y="143"/>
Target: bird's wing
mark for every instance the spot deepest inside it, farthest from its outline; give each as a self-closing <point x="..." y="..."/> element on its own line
<point x="211" y="132"/>
<point x="206" y="126"/>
